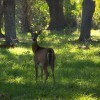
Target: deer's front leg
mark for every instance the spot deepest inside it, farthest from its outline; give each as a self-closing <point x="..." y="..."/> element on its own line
<point x="36" y="73"/>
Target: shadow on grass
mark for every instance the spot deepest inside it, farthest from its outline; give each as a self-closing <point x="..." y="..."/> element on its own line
<point x="39" y="91"/>
<point x="71" y="81"/>
<point x="74" y="78"/>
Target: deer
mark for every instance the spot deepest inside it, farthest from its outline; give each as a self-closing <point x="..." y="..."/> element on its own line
<point x="43" y="57"/>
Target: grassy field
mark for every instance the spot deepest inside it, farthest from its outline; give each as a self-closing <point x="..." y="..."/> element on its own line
<point x="77" y="71"/>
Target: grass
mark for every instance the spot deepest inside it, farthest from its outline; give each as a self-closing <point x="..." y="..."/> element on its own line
<point x="77" y="71"/>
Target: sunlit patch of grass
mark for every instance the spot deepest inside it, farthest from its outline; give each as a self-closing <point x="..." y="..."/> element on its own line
<point x="19" y="51"/>
<point x="95" y="32"/>
<point x="86" y="97"/>
<point x="16" y="80"/>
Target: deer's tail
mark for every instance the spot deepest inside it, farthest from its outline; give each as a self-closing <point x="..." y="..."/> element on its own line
<point x="50" y="57"/>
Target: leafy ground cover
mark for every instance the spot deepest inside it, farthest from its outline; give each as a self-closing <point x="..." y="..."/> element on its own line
<point x="77" y="71"/>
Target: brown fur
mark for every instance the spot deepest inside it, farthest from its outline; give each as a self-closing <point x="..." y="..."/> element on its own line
<point x="42" y="56"/>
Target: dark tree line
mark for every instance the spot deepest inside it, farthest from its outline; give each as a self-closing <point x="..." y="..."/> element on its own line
<point x="57" y="18"/>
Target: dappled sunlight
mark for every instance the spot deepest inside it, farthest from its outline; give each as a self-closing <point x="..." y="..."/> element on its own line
<point x="20" y="50"/>
<point x="85" y="97"/>
<point x="76" y="70"/>
<point x="83" y="83"/>
<point x="73" y="50"/>
<point x="17" y="80"/>
<point x="95" y="33"/>
<point x="62" y="41"/>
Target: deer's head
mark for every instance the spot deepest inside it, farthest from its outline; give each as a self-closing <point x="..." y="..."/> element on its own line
<point x="34" y="35"/>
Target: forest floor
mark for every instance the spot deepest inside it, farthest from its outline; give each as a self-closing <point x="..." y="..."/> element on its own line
<point x="77" y="70"/>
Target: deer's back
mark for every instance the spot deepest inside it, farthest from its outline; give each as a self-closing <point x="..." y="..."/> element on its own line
<point x="41" y="55"/>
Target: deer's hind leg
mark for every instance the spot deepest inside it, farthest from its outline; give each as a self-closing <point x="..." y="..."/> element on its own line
<point x="52" y="68"/>
<point x="46" y="73"/>
<point x="36" y="73"/>
<point x="41" y="73"/>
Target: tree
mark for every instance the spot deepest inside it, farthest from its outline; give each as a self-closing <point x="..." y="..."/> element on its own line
<point x="87" y="13"/>
<point x="57" y="18"/>
<point x="25" y="16"/>
<point x="9" y="19"/>
<point x="1" y="16"/>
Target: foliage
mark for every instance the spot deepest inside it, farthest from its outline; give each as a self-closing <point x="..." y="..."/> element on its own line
<point x="96" y="17"/>
<point x="40" y="13"/>
<point x="69" y="10"/>
<point x="77" y="70"/>
<point x="73" y="10"/>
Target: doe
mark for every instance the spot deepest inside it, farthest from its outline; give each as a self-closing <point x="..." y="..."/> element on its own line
<point x="43" y="57"/>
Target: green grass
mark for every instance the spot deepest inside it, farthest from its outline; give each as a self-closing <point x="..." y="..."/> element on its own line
<point x="77" y="71"/>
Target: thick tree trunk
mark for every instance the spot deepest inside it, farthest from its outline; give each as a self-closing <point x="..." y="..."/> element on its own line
<point x="57" y="18"/>
<point x="25" y="16"/>
<point x="9" y="18"/>
<point x="87" y="13"/>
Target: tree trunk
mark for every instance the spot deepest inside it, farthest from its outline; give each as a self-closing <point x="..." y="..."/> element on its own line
<point x="9" y="18"/>
<point x="25" y="16"/>
<point x="57" y="18"/>
<point x="1" y="16"/>
<point x="87" y="13"/>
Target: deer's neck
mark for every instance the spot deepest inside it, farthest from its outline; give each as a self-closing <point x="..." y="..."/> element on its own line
<point x="35" y="47"/>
